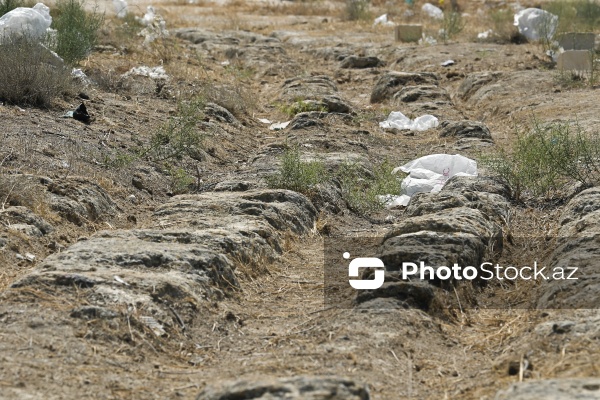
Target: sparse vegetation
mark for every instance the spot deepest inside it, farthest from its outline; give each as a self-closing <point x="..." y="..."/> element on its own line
<point x="301" y="106"/>
<point x="575" y="15"/>
<point x="297" y="175"/>
<point x="77" y="30"/>
<point x="547" y="159"/>
<point x="502" y="25"/>
<point x="362" y="192"/>
<point x="30" y="74"/>
<point x="9" y="5"/>
<point x="452" y="25"/>
<point x="357" y="10"/>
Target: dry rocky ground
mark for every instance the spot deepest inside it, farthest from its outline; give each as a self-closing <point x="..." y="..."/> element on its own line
<point x="115" y="285"/>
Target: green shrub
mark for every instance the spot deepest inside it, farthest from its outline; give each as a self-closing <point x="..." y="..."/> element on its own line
<point x="297" y="175"/>
<point x="362" y="191"/>
<point x="9" y="5"/>
<point x="575" y="15"/>
<point x="452" y="25"/>
<point x="77" y="30"/>
<point x="357" y="10"/>
<point x="30" y="74"/>
<point x="546" y="159"/>
<point x="302" y="106"/>
<point x="180" y="136"/>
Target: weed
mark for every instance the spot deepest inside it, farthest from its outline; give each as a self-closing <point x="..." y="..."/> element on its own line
<point x="180" y="136"/>
<point x="362" y="191"/>
<point x="9" y="5"/>
<point x="357" y="10"/>
<point x="502" y="24"/>
<point x="452" y="25"/>
<point x="546" y="159"/>
<point x="77" y="30"/>
<point x="302" y="106"/>
<point x="297" y="175"/>
<point x="181" y="181"/>
<point x="575" y="15"/>
<point x="30" y="74"/>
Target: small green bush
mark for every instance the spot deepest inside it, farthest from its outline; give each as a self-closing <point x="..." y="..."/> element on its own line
<point x="30" y="74"/>
<point x="575" y="15"/>
<point x="362" y="192"/>
<point x="77" y="30"/>
<point x="302" y="106"/>
<point x="452" y="25"/>
<point x="357" y="10"/>
<point x="297" y="175"/>
<point x="546" y="159"/>
<point x="180" y="136"/>
<point x="9" y="5"/>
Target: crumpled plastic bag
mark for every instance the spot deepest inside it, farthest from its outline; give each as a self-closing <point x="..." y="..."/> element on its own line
<point x="536" y="24"/>
<point x="400" y="121"/>
<point x="156" y="73"/>
<point x="383" y="20"/>
<point x="120" y="8"/>
<point x="432" y="11"/>
<point x="429" y="174"/>
<point x="33" y="23"/>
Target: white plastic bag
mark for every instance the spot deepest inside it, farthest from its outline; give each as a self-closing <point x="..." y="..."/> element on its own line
<point x="120" y="8"/>
<point x="536" y="24"/>
<point x="432" y="11"/>
<point x="429" y="174"/>
<point x="383" y="20"/>
<point x="33" y="23"/>
<point x="400" y="121"/>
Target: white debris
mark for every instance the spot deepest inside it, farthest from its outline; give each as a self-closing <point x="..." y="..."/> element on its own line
<point x="447" y="63"/>
<point x="120" y="280"/>
<point x="432" y="11"/>
<point x="427" y="40"/>
<point x="120" y="8"/>
<point x="279" y="126"/>
<point x="484" y="35"/>
<point x="77" y="73"/>
<point x="536" y="24"/>
<point x="155" y="26"/>
<point x="156" y="73"/>
<point x="29" y="257"/>
<point x="264" y="120"/>
<point x="400" y="121"/>
<point x="33" y="23"/>
<point x="383" y="20"/>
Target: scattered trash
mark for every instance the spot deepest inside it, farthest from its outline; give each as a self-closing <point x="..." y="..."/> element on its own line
<point x="120" y="8"/>
<point x="156" y="27"/>
<point x="132" y="198"/>
<point x="264" y="121"/>
<point x="447" y="63"/>
<point x="225" y="63"/>
<point x="427" y="40"/>
<point x="120" y="280"/>
<point x="485" y="35"/>
<point x="432" y="11"/>
<point x="154" y="326"/>
<point x="153" y="73"/>
<point x="536" y="24"/>
<point x="80" y="114"/>
<point x="77" y="73"/>
<point x="383" y="20"/>
<point x="29" y="257"/>
<point x="399" y="121"/>
<point x="429" y="174"/>
<point x="279" y="126"/>
<point x="33" y="23"/>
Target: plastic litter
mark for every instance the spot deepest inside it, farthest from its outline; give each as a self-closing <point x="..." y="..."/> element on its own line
<point x="264" y="121"/>
<point x="120" y="280"/>
<point x="120" y="8"/>
<point x="400" y="121"/>
<point x="447" y="63"/>
<point x="33" y="23"/>
<point x="279" y="126"/>
<point x="427" y="40"/>
<point x="156" y="27"/>
<point x="152" y="73"/>
<point x="383" y="20"/>
<point x="536" y="24"/>
<point x="80" y="114"/>
<point x="432" y="11"/>
<point x="484" y="35"/>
